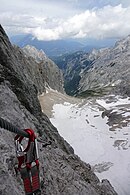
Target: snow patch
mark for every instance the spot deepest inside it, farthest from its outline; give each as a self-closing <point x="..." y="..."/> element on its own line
<point x="107" y="151"/>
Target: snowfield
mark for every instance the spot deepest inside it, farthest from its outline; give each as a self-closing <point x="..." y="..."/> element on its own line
<point x="99" y="132"/>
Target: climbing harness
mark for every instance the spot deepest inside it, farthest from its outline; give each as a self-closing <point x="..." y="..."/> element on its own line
<point x="28" y="164"/>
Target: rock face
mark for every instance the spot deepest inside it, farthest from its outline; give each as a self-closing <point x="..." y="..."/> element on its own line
<point x="110" y="71"/>
<point x="47" y="71"/>
<point x="39" y="56"/>
<point x="72" y="65"/>
<point x="102" y="71"/>
<point x="42" y="71"/>
<point x="62" y="172"/>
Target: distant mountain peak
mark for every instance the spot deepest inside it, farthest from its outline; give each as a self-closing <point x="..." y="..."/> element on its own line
<point x="38" y="55"/>
<point x="96" y="53"/>
<point x="123" y="43"/>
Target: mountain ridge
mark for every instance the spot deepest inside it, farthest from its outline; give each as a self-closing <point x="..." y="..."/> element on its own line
<point x="98" y="72"/>
<point x="110" y="72"/>
<point x="51" y="48"/>
<point x="60" y="47"/>
<point x="61" y="170"/>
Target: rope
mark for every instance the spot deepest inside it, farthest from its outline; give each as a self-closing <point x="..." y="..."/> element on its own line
<point x="8" y="126"/>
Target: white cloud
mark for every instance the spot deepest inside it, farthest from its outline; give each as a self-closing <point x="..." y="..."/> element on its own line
<point x="106" y="22"/>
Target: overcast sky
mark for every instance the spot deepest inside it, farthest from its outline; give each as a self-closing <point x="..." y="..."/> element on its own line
<point x="61" y="19"/>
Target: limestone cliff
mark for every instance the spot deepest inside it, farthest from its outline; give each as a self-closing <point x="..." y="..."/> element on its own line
<point x="110" y="71"/>
<point x="62" y="172"/>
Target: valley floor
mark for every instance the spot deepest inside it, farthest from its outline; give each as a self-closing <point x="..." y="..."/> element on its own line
<point x="98" y="130"/>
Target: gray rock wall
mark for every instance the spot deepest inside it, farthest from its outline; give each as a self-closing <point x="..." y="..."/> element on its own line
<point x="43" y="73"/>
<point x="62" y="172"/>
<point x="110" y="72"/>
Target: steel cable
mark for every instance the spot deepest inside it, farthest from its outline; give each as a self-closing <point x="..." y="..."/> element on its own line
<point x="8" y="126"/>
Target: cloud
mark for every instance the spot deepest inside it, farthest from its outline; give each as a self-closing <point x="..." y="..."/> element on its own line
<point x="97" y="23"/>
<point x="107" y="22"/>
<point x="20" y="23"/>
